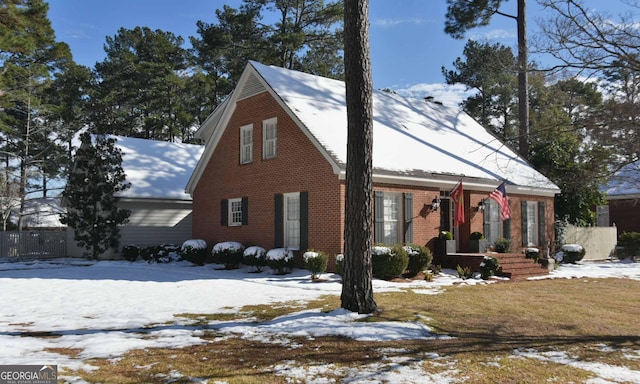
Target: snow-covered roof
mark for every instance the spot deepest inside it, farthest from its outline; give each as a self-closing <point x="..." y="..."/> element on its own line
<point x="625" y="182"/>
<point x="413" y="140"/>
<point x="157" y="169"/>
<point x="40" y="213"/>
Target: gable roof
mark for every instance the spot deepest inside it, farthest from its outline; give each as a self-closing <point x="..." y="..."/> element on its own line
<point x="414" y="141"/>
<point x="157" y="169"/>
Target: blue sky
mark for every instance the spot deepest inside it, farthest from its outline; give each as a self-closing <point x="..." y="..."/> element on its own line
<point x="408" y="43"/>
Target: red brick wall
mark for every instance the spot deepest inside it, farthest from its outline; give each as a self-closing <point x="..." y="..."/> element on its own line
<point x="516" y="220"/>
<point x="625" y="214"/>
<point x="299" y="166"/>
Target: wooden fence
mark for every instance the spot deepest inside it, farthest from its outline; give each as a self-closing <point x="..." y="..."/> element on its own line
<point x="32" y="245"/>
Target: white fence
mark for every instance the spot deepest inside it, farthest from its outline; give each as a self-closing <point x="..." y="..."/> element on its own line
<point x="598" y="242"/>
<point x="32" y="245"/>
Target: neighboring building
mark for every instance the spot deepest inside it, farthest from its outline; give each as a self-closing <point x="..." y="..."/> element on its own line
<point x="40" y="214"/>
<point x="273" y="170"/>
<point x="160" y="208"/>
<point x="623" y="196"/>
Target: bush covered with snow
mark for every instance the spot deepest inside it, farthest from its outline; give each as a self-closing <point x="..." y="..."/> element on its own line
<point x="388" y="262"/>
<point x="255" y="257"/>
<point x="130" y="252"/>
<point x="570" y="253"/>
<point x="165" y="253"/>
<point x="420" y="258"/>
<point x="228" y="253"/>
<point x="315" y="262"/>
<point x="194" y="250"/>
<point x="488" y="267"/>
<point x="532" y="253"/>
<point x="280" y="260"/>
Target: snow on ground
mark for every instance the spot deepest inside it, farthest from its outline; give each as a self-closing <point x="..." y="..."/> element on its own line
<point x="107" y="308"/>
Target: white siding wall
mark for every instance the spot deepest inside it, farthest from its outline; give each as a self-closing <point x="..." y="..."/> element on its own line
<point x="151" y="222"/>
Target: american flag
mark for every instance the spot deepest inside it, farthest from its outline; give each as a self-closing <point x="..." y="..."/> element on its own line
<point x="500" y="196"/>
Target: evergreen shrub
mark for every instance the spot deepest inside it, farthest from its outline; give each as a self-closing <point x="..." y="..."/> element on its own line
<point x="387" y="262"/>
<point x="571" y="253"/>
<point x="488" y="267"/>
<point x="503" y="245"/>
<point x="165" y="253"/>
<point x="280" y="260"/>
<point x="315" y="262"/>
<point x="532" y="253"/>
<point x="228" y="253"/>
<point x="255" y="257"/>
<point x="130" y="252"/>
<point x="630" y="243"/>
<point x="420" y="258"/>
<point x="476" y="236"/>
<point x="194" y="251"/>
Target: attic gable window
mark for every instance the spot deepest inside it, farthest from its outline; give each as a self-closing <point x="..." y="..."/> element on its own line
<point x="246" y="144"/>
<point x="269" y="138"/>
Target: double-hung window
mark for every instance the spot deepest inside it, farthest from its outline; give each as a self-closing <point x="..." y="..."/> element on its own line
<point x="292" y="220"/>
<point x="246" y="144"/>
<point x="531" y="223"/>
<point x="235" y="212"/>
<point x="269" y="138"/>
<point x="391" y="209"/>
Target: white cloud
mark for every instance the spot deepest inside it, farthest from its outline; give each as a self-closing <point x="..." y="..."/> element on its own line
<point x="394" y="22"/>
<point x="495" y="34"/>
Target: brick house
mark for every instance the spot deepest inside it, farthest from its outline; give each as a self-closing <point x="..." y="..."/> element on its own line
<point x="273" y="170"/>
<point x="623" y="197"/>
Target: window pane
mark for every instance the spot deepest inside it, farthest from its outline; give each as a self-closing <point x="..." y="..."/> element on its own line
<point x="235" y="212"/>
<point x="292" y="221"/>
<point x="532" y="223"/>
<point x="391" y="219"/>
<point x="246" y="144"/>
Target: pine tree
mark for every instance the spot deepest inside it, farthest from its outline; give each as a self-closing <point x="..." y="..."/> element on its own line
<point x="90" y="195"/>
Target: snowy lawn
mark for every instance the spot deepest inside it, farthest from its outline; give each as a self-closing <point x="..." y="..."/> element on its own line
<point x="68" y="312"/>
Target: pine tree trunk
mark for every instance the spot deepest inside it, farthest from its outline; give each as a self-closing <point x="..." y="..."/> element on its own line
<point x="357" y="289"/>
<point x="523" y="81"/>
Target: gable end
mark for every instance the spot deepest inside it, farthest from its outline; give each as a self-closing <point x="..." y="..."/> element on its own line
<point x="253" y="86"/>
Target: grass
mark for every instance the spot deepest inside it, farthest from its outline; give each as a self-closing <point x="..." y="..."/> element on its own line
<point x="590" y="320"/>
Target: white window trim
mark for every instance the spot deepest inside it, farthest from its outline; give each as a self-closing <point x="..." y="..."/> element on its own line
<point x="246" y="148"/>
<point x="231" y="221"/>
<point x="285" y="217"/>
<point x="269" y="143"/>
<point x="398" y="220"/>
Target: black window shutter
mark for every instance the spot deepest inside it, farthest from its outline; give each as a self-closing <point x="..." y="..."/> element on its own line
<point x="304" y="220"/>
<point x="408" y="217"/>
<point x="542" y="225"/>
<point x="525" y="240"/>
<point x="245" y="211"/>
<point x="224" y="212"/>
<point x="278" y="224"/>
<point x="378" y="206"/>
